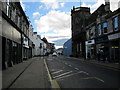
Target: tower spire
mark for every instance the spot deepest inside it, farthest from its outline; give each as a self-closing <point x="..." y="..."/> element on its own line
<point x="80" y="3"/>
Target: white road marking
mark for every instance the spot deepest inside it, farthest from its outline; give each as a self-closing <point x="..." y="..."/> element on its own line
<point x="76" y="68"/>
<point x="49" y="59"/>
<point x="84" y="72"/>
<point x="67" y="75"/>
<point x="94" y="78"/>
<point x="57" y="71"/>
<point x="70" y="65"/>
<point x="62" y="74"/>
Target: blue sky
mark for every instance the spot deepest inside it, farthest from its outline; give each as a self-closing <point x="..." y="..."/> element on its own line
<point x="52" y="18"/>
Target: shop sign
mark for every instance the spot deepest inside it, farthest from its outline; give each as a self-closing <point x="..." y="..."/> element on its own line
<point x="115" y="47"/>
<point x="101" y="40"/>
<point x="114" y="36"/>
<point x="26" y="46"/>
<point x="90" y="42"/>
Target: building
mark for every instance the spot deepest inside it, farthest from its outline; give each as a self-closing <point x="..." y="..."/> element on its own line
<point x="11" y="35"/>
<point x="79" y="16"/>
<point x="67" y="48"/>
<point x="103" y="34"/>
<point x="49" y="49"/>
<point x="39" y="45"/>
<point x="95" y="22"/>
<point x="30" y="41"/>
<point x="16" y="43"/>
<point x="109" y="40"/>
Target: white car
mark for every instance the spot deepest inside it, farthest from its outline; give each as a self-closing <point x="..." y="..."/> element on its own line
<point x="54" y="54"/>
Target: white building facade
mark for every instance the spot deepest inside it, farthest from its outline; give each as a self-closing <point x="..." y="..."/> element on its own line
<point x="39" y="48"/>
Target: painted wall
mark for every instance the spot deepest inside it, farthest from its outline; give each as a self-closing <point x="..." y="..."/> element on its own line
<point x="67" y="48"/>
<point x="37" y="50"/>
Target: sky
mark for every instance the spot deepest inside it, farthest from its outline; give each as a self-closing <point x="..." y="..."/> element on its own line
<point x="52" y="18"/>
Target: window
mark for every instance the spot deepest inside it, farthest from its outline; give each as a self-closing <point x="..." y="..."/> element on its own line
<point x="92" y="32"/>
<point x="115" y="23"/>
<point x="40" y="45"/>
<point x="105" y="25"/>
<point x="99" y="29"/>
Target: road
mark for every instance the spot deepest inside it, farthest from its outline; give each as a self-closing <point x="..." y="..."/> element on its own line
<point x="73" y="73"/>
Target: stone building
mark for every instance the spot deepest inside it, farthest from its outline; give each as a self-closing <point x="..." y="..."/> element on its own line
<point x="79" y="16"/>
<point x="49" y="49"/>
<point x="15" y="34"/>
<point x="96" y="21"/>
<point x="102" y="34"/>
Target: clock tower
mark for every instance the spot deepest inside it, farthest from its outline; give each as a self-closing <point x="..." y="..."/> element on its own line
<point x="79" y="17"/>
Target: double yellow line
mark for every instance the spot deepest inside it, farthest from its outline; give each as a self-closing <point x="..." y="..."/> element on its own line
<point x="54" y="83"/>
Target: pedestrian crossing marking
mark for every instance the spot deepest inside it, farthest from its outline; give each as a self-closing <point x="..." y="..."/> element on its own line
<point x="68" y="75"/>
<point x="76" y="68"/>
<point x="57" y="72"/>
<point x="63" y="74"/>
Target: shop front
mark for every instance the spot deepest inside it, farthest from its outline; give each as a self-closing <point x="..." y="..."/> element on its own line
<point x="102" y="49"/>
<point x="25" y="53"/>
<point x="114" y="41"/>
<point x="90" y="49"/>
<point x="11" y="45"/>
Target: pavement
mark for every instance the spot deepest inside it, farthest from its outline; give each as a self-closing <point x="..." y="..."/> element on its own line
<point x="28" y="74"/>
<point x="115" y="66"/>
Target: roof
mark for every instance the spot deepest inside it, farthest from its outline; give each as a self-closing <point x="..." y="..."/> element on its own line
<point x="44" y="40"/>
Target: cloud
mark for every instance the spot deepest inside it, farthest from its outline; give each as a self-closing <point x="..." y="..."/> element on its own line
<point x="94" y="6"/>
<point x="113" y="5"/>
<point x="52" y="4"/>
<point x="62" y="4"/>
<point x="55" y="24"/>
<point x="40" y="7"/>
<point x="58" y="47"/>
<point x="36" y="14"/>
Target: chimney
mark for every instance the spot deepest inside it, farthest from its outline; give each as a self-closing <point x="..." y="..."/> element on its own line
<point x="107" y="5"/>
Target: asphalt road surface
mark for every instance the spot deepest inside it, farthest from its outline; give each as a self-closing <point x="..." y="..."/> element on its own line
<point x="73" y="73"/>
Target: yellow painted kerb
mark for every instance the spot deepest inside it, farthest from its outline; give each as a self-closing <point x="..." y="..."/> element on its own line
<point x="54" y="83"/>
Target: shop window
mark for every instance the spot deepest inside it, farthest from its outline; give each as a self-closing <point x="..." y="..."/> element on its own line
<point x="99" y="29"/>
<point x="105" y="25"/>
<point x="115" y="23"/>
